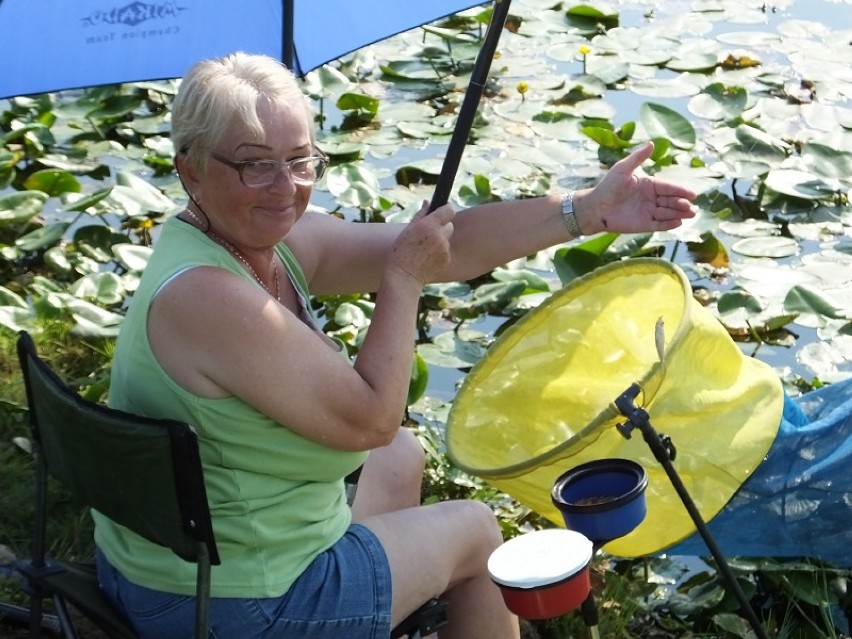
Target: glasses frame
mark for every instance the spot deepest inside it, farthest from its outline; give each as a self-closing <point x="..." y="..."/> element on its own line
<point x="239" y="167"/>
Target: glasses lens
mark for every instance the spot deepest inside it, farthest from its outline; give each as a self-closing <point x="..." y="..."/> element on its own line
<point x="263" y="172"/>
<point x="307" y="170"/>
<point x="260" y="173"/>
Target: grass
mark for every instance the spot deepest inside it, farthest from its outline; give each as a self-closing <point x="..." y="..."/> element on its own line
<point x="69" y="527"/>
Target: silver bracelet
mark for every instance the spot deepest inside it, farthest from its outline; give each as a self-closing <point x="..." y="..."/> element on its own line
<point x="569" y="216"/>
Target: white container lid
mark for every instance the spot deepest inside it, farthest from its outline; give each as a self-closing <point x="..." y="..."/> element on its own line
<point x="540" y="558"/>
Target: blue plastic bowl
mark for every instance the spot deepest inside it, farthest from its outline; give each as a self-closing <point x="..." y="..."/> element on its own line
<point x="603" y="499"/>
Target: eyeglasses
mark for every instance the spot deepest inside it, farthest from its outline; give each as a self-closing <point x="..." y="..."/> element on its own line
<point x="259" y="173"/>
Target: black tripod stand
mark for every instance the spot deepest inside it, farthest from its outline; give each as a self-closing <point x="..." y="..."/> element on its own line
<point x="663" y="451"/>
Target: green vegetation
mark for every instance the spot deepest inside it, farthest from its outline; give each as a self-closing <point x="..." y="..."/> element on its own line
<point x="86" y="178"/>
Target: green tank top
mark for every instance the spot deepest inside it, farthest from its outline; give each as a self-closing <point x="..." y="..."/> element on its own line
<point x="277" y="499"/>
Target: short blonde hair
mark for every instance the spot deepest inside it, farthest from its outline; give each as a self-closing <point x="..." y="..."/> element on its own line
<point x="214" y="92"/>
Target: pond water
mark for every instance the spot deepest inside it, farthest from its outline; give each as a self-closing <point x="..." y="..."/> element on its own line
<point x="540" y="51"/>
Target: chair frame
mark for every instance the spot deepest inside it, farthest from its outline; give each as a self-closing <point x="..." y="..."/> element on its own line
<point x="76" y="583"/>
<point x="66" y="582"/>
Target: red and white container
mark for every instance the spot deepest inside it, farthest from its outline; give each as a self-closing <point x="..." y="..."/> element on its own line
<point x="543" y="574"/>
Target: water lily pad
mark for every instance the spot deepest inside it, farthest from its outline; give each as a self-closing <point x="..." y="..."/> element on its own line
<point x="567" y="51"/>
<point x="803" y="299"/>
<point x="758" y="145"/>
<point x="661" y="121"/>
<point x="590" y="19"/>
<point x="132" y="188"/>
<point x="717" y="102"/>
<point x="752" y="39"/>
<point x="609" y="69"/>
<point x="520" y="110"/>
<point x="419" y="379"/>
<point x="774" y="247"/>
<point x="116" y="106"/>
<point x="647" y="57"/>
<point x="664" y="87"/>
<point x="597" y="109"/>
<point x="827" y="161"/>
<point x="10" y="298"/>
<point x="81" y="203"/>
<point x="750" y="228"/>
<point x="709" y="250"/>
<point x="353" y="184"/>
<point x="823" y="360"/>
<point x="53" y="182"/>
<point x="700" y="62"/>
<point x="91" y="319"/>
<point x="420" y="75"/>
<point x="771" y="280"/>
<point x="58" y="259"/>
<point x="742" y="169"/>
<point x="799" y="184"/>
<point x="738" y="299"/>
<point x="16" y="318"/>
<point x="833" y="277"/>
<point x="104" y="289"/>
<point x="43" y="237"/>
<point x="20" y="207"/>
<point x="134" y="257"/>
<point x="419" y="170"/>
<point x="450" y="351"/>
<point x="629" y="41"/>
<point x="699" y="180"/>
<point x="421" y="130"/>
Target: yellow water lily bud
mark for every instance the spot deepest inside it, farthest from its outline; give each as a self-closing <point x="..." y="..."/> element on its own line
<point x="522" y="87"/>
<point x="585" y="50"/>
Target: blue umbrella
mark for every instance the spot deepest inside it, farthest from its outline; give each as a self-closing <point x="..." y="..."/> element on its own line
<point x="62" y="44"/>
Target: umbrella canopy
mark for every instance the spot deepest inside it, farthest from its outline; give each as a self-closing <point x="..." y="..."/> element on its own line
<point x="64" y="45"/>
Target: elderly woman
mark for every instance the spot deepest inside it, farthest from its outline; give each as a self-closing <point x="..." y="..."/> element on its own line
<point x="220" y="334"/>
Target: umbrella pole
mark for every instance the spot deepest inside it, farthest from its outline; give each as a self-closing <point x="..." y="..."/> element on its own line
<point x="464" y="122"/>
<point x="287" y="19"/>
<point x="637" y="417"/>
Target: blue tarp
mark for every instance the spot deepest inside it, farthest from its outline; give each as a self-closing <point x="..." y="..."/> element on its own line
<point x="798" y="503"/>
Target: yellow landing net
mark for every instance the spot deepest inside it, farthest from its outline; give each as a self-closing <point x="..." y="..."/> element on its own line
<point x="540" y="402"/>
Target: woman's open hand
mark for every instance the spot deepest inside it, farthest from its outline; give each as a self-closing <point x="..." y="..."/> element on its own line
<point x="628" y="201"/>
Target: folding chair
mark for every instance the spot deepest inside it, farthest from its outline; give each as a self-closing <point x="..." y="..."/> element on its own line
<point x="143" y="473"/>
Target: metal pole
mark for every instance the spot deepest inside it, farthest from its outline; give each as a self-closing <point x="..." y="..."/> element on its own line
<point x="287" y="46"/>
<point x="467" y="112"/>
<point x="589" y="611"/>
<point x="638" y="418"/>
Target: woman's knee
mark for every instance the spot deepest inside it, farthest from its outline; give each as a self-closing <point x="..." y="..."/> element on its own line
<point x="409" y="447"/>
<point x="392" y="478"/>
<point x="479" y="523"/>
<point x="404" y="460"/>
<point x="473" y="534"/>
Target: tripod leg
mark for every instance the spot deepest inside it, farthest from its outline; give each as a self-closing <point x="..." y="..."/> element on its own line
<point x="589" y="610"/>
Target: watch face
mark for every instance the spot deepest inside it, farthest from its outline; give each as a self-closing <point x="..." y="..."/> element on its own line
<point x="568" y="203"/>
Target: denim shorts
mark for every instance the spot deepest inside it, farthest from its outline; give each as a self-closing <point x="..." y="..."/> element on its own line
<point x="345" y="592"/>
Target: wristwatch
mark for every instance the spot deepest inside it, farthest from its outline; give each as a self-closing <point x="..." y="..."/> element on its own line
<point x="569" y="216"/>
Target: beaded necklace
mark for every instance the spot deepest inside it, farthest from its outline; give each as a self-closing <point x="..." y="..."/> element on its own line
<point x="233" y="250"/>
